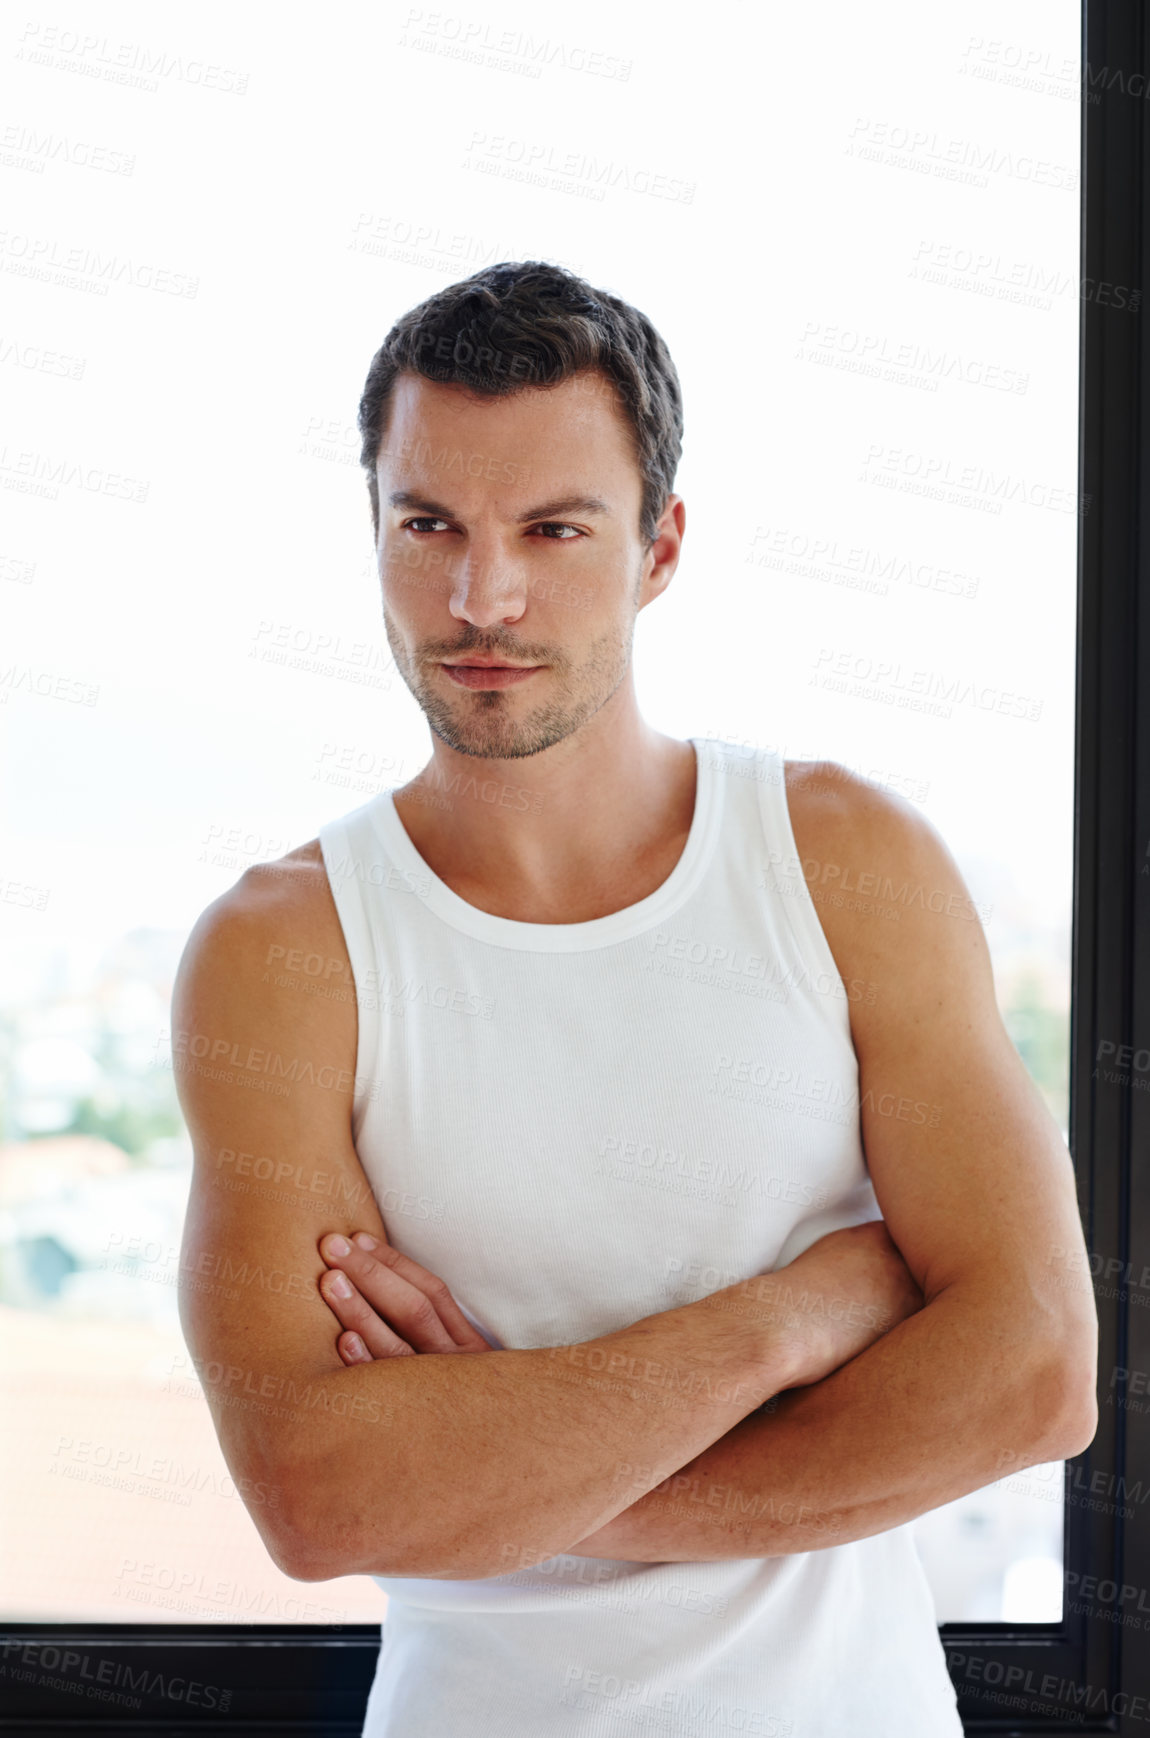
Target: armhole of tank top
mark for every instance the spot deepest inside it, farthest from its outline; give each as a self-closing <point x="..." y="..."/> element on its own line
<point x="337" y="845"/>
<point x="794" y="895"/>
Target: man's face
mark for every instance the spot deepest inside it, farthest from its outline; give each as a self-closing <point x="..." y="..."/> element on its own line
<point x="509" y="531"/>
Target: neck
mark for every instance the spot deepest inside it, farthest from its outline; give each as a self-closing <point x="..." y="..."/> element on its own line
<point x="597" y="820"/>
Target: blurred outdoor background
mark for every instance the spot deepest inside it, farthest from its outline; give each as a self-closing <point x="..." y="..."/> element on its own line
<point x="862" y="247"/>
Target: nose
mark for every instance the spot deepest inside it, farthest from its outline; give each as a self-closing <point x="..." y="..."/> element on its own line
<point x="487" y="589"/>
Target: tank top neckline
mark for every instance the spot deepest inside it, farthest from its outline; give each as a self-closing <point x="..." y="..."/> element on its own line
<point x="595" y="932"/>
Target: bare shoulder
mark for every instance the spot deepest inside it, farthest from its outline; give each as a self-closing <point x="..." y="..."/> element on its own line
<point x="891" y="898"/>
<point x="831" y="806"/>
<point x="270" y="951"/>
<point x="297" y="881"/>
<point x="285" y="902"/>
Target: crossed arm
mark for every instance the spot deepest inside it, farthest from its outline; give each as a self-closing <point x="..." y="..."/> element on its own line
<point x="997" y="1371"/>
<point x="947" y="1401"/>
<point x="994" y="1371"/>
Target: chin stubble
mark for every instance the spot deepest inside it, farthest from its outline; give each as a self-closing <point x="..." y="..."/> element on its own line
<point x="488" y="729"/>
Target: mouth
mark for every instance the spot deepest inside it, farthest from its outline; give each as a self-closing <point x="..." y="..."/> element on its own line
<point x="488" y="673"/>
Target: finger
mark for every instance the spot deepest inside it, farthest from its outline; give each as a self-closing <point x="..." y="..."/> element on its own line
<point x="449" y="1312"/>
<point x="415" y="1301"/>
<point x="353" y="1351"/>
<point x="357" y="1316"/>
<point x="408" y="1310"/>
<point x="432" y="1287"/>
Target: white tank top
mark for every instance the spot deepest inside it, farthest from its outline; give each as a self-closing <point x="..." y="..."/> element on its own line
<point x="576" y="1125"/>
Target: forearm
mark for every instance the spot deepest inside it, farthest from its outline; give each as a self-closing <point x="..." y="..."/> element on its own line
<point x="459" y="1467"/>
<point x="940" y="1406"/>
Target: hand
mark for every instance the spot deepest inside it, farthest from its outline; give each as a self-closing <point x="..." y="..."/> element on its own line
<point x="842" y="1294"/>
<point x="384" y="1282"/>
<point x="825" y="1307"/>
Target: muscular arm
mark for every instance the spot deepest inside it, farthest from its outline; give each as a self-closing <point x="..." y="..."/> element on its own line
<point x="997" y="1371"/>
<point x="423" y="1466"/>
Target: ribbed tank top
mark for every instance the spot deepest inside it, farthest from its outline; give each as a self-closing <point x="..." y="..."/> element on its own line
<point x="577" y="1125"/>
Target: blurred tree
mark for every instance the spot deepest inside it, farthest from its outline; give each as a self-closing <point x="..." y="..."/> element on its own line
<point x="1041" y="1035"/>
<point x="131" y="1126"/>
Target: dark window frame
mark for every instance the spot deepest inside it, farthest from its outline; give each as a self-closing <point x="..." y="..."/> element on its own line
<point x="314" y="1680"/>
<point x="1101" y="1676"/>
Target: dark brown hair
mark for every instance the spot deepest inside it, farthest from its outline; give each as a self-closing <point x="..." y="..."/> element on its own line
<point x="527" y="323"/>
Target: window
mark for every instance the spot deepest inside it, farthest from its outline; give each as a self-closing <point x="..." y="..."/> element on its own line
<point x="908" y="327"/>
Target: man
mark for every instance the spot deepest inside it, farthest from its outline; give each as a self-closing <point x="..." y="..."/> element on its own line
<point x="552" y="1062"/>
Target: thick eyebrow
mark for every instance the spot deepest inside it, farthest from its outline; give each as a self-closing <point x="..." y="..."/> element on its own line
<point x="548" y="510"/>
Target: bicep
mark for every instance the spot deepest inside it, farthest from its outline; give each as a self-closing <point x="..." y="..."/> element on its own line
<point x="969" y="1168"/>
<point x="970" y="1171"/>
<point x="980" y="1200"/>
<point x="264" y="1074"/>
